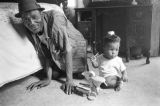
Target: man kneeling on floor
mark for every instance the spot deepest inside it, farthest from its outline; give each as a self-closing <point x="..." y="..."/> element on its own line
<point x="50" y="31"/>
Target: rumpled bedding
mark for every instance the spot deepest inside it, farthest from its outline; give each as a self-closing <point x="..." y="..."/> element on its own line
<point x="18" y="57"/>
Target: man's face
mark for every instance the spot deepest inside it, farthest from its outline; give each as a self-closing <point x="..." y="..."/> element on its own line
<point x="33" y="21"/>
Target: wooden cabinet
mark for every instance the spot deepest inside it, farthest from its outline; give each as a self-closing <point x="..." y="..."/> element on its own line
<point x="143" y="28"/>
<point x="136" y="25"/>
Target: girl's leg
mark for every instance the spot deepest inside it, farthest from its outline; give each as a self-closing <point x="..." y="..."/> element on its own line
<point x="111" y="81"/>
<point x="114" y="82"/>
<point x="118" y="85"/>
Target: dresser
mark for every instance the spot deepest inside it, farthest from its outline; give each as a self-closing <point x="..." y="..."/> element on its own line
<point x="136" y="25"/>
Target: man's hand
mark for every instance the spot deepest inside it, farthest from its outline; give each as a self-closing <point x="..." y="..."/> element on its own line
<point x="68" y="87"/>
<point x="39" y="84"/>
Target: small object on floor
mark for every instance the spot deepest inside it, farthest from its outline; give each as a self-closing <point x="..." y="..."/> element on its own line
<point x="92" y="96"/>
<point x="86" y="85"/>
<point x="81" y="91"/>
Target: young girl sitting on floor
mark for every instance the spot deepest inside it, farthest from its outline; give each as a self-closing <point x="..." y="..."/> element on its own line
<point x="110" y="65"/>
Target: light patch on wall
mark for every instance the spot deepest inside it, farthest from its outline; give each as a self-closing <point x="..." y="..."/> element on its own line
<point x="72" y="3"/>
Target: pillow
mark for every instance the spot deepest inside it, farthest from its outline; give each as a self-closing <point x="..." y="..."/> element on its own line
<point x="8" y="10"/>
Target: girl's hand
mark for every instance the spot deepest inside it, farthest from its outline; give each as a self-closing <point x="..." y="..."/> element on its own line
<point x="94" y="60"/>
<point x="124" y="78"/>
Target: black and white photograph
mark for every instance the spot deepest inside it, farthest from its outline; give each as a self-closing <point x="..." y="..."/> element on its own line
<point x="79" y="52"/>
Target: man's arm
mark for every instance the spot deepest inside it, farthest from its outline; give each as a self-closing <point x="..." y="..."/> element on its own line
<point x="59" y="30"/>
<point x="69" y="69"/>
<point x="69" y="63"/>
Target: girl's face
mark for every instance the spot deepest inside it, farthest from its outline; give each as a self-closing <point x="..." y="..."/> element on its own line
<point x="33" y="21"/>
<point x="111" y="50"/>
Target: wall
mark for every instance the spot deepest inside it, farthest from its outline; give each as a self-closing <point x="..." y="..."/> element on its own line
<point x="75" y="3"/>
<point x="83" y="3"/>
<point x="78" y="3"/>
<point x="72" y="3"/>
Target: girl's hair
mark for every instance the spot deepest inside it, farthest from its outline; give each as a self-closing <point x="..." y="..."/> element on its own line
<point x="111" y="37"/>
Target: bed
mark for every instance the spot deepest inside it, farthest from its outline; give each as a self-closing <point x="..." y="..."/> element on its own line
<point x="18" y="57"/>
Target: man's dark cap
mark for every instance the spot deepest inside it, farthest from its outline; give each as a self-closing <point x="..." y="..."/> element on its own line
<point x="27" y="5"/>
